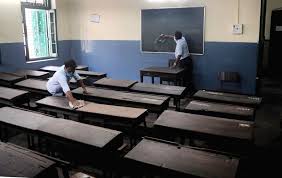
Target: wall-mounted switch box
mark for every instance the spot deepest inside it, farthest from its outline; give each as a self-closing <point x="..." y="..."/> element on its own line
<point x="237" y="29"/>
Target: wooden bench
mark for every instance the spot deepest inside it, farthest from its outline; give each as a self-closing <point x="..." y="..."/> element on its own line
<point x="230" y="98"/>
<point x="234" y="135"/>
<point x="82" y="67"/>
<point x="161" y="158"/>
<point x="32" y="74"/>
<point x="153" y="103"/>
<point x="176" y="92"/>
<point x="221" y="110"/>
<point x="34" y="86"/>
<point x="114" y="84"/>
<point x="21" y="162"/>
<point x="8" y="79"/>
<point x="13" y="97"/>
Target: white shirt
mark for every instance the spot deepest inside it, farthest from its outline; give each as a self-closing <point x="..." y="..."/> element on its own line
<point x="181" y="48"/>
<point x="59" y="82"/>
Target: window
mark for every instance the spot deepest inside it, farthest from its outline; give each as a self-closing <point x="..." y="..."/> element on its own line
<point x="39" y="29"/>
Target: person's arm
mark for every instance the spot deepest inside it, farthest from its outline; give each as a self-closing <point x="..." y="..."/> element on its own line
<point x="80" y="81"/>
<point x="178" y="53"/>
<point x="66" y="89"/>
<point x="167" y="36"/>
<point x="176" y="61"/>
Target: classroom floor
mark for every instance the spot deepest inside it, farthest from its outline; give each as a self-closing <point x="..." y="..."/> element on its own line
<point x="267" y="136"/>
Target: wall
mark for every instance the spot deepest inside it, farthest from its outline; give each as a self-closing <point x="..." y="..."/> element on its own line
<point x="11" y="40"/>
<point x="112" y="45"/>
<point x="271" y="5"/>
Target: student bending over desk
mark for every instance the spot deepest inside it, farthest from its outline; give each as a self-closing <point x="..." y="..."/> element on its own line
<point x="59" y="82"/>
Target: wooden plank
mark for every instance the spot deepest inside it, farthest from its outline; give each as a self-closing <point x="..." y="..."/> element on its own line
<point x="34" y="86"/>
<point x="207" y="125"/>
<point x="162" y="70"/>
<point x="175" y="91"/>
<point x="82" y="67"/>
<point x="180" y="159"/>
<point x="20" y="162"/>
<point x="50" y="68"/>
<point x="91" y="74"/>
<point x="90" y="135"/>
<point x="7" y="79"/>
<point x="227" y="97"/>
<point x="32" y="74"/>
<point x="13" y="96"/>
<point x="221" y="109"/>
<point x="114" y="84"/>
<point x="124" y="98"/>
<point x="24" y="119"/>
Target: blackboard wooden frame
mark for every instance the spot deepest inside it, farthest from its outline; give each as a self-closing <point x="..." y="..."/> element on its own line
<point x="175" y="8"/>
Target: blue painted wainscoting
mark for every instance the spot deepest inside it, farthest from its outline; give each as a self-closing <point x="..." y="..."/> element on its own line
<point x="123" y="60"/>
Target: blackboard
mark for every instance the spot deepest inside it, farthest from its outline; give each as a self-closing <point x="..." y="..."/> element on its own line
<point x="154" y="22"/>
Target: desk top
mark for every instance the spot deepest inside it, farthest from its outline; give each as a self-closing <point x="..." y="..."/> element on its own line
<point x="73" y="81"/>
<point x="228" y="97"/>
<point x="91" y="73"/>
<point x="95" y="108"/>
<point x="206" y="124"/>
<point x="24" y="119"/>
<point x="220" y="108"/>
<point x="81" y="67"/>
<point x="10" y="77"/>
<point x="166" y="70"/>
<point x="10" y="93"/>
<point x="81" y="133"/>
<point x="108" y="82"/>
<point x="33" y="84"/>
<point x="31" y="73"/>
<point x="21" y="162"/>
<point x="123" y="96"/>
<point x="159" y="89"/>
<point x="50" y="68"/>
<point x="184" y="159"/>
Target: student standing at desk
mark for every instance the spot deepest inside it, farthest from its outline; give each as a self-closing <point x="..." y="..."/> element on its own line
<point x="59" y="83"/>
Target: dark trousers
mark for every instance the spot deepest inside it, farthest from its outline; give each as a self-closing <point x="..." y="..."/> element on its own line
<point x="188" y="75"/>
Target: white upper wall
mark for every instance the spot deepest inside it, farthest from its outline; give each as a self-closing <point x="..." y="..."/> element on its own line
<point x="271" y="5"/>
<point x="11" y="21"/>
<point x="121" y="19"/>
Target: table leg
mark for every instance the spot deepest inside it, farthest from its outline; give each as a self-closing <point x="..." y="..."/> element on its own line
<point x="153" y="80"/>
<point x="141" y="78"/>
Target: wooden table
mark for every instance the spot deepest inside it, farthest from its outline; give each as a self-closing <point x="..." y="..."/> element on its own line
<point x="114" y="84"/>
<point x="50" y="69"/>
<point x="221" y="110"/>
<point x="34" y="86"/>
<point x="32" y="74"/>
<point x="171" y="160"/>
<point x="177" y="92"/>
<point x="92" y="137"/>
<point x="21" y="162"/>
<point x="228" y="98"/>
<point x="173" y="74"/>
<point x="153" y="103"/>
<point x="82" y="67"/>
<point x="8" y="79"/>
<point x="109" y="114"/>
<point x="13" y="97"/>
<point x="91" y="74"/>
<point x="25" y="121"/>
<point x="213" y="129"/>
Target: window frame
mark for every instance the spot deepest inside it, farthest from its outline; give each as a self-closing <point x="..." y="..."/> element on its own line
<point x="28" y="5"/>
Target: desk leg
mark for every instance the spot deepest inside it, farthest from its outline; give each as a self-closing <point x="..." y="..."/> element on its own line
<point x="153" y="80"/>
<point x="141" y="78"/>
<point x="177" y="104"/>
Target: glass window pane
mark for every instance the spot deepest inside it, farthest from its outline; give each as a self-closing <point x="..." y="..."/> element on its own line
<point x="54" y="48"/>
<point x="37" y="33"/>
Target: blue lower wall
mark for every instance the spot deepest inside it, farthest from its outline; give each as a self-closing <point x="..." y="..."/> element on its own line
<point x="12" y="56"/>
<point x="123" y="60"/>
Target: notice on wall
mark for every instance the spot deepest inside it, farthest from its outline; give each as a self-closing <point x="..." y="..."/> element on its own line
<point x="278" y="28"/>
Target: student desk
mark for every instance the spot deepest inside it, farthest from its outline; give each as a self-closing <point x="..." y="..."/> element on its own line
<point x="213" y="129"/>
<point x="169" y="159"/>
<point x="32" y="74"/>
<point x="221" y="110"/>
<point x="82" y="67"/>
<point x="176" y="92"/>
<point x="33" y="86"/>
<point x="91" y="74"/>
<point x="25" y="121"/>
<point x="228" y="98"/>
<point x="174" y="74"/>
<point x="108" y="113"/>
<point x="50" y="69"/>
<point x="7" y="79"/>
<point x="13" y="97"/>
<point x="114" y="84"/>
<point x="153" y="103"/>
<point x="21" y="162"/>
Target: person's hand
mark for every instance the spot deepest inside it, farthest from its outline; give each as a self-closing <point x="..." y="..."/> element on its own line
<point x="174" y="65"/>
<point x="162" y="36"/>
<point x="84" y="91"/>
<point x="75" y="103"/>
